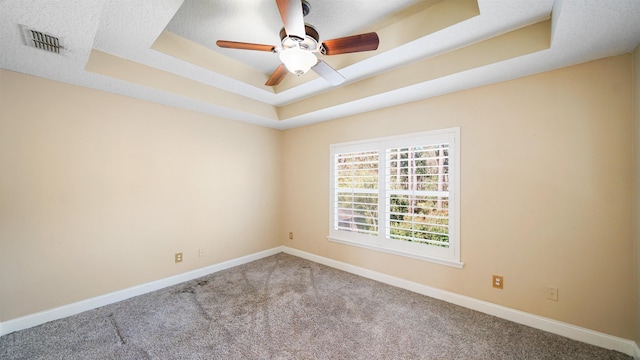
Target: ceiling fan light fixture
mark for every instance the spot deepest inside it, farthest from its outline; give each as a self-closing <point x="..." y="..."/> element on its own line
<point x="298" y="61"/>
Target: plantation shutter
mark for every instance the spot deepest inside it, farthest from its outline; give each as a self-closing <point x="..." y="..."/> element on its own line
<point x="417" y="194"/>
<point x="356" y="192"/>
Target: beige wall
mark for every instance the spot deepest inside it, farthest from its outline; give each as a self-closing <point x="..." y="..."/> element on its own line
<point x="98" y="191"/>
<point x="636" y="182"/>
<point x="546" y="177"/>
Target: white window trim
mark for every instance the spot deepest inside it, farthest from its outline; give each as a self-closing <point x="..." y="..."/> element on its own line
<point x="450" y="256"/>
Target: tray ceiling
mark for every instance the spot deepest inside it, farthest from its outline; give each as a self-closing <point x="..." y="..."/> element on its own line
<point x="165" y="52"/>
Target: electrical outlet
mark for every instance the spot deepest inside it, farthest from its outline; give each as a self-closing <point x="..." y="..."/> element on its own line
<point x="498" y="282"/>
<point x="290" y="236"/>
<point x="178" y="257"/>
<point x="200" y="252"/>
<point x="552" y="293"/>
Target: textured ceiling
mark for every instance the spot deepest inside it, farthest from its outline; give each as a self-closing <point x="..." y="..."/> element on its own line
<point x="164" y="50"/>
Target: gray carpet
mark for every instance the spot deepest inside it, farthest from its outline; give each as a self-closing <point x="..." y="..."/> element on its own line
<point x="284" y="307"/>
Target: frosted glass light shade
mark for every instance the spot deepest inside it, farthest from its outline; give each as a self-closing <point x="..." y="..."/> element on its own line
<point x="298" y="61"/>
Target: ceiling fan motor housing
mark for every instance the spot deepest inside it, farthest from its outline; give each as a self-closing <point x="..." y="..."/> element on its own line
<point x="310" y="41"/>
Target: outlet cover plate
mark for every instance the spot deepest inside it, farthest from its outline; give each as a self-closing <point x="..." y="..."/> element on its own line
<point x="498" y="282"/>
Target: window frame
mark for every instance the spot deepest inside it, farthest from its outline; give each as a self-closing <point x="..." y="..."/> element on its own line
<point x="445" y="256"/>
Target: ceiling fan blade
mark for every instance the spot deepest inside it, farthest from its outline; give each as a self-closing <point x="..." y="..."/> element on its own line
<point x="292" y="17"/>
<point x="328" y="73"/>
<point x="277" y="76"/>
<point x="244" y="46"/>
<point x="350" y="44"/>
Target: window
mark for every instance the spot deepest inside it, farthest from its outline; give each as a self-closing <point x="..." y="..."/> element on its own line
<point x="399" y="194"/>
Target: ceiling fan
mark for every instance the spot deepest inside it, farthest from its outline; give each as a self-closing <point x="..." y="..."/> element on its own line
<point x="300" y="44"/>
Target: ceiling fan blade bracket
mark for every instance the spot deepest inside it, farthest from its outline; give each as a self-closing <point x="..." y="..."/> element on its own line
<point x="295" y="38"/>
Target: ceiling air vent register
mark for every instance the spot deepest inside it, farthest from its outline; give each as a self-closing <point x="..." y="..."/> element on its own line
<point x="42" y="41"/>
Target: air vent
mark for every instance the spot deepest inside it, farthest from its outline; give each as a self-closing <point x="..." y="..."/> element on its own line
<point x="43" y="41"/>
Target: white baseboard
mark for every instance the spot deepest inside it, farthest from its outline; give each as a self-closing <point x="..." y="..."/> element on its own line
<point x="628" y="347"/>
<point x="42" y="317"/>
<point x="603" y="340"/>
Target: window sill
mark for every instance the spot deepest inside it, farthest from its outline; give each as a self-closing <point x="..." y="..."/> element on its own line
<point x="440" y="261"/>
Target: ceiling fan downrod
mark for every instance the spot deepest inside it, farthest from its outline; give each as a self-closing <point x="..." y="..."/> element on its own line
<point x="306" y="8"/>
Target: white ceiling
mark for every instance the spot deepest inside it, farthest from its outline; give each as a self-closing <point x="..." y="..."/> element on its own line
<point x="581" y="31"/>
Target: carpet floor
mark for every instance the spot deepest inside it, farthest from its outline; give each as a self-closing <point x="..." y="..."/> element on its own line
<point x="285" y="307"/>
